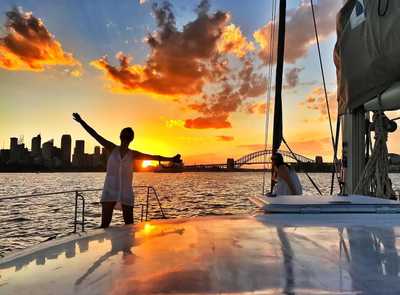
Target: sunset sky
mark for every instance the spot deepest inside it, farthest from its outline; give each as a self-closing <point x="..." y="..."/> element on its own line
<point x="188" y="76"/>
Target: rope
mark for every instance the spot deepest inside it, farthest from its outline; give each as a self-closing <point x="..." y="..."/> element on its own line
<point x="375" y="179"/>
<point x="334" y="144"/>
<point x="322" y="73"/>
<point x="269" y="88"/>
<point x="298" y="161"/>
<point x="385" y="9"/>
<point x="335" y="149"/>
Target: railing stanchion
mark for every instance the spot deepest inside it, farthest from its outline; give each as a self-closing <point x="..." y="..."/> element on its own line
<point x="147" y="202"/>
<point x="141" y="213"/>
<point x="79" y="193"/>
<point x="83" y="213"/>
<point x="158" y="201"/>
<point x="76" y="211"/>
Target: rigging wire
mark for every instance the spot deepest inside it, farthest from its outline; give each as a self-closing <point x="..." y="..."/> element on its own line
<point x="385" y="9"/>
<point x="298" y="161"/>
<point x="269" y="88"/>
<point x="334" y="144"/>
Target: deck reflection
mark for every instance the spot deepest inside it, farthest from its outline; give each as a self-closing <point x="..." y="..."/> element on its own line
<point x="266" y="254"/>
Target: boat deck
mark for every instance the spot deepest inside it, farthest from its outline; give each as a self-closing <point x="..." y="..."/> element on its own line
<point x="266" y="254"/>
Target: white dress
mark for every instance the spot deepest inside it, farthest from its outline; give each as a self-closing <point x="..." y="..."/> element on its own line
<point x="118" y="183"/>
<point x="281" y="188"/>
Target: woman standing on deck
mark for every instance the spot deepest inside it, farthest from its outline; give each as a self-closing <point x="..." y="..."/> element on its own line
<point x="118" y="182"/>
<point x="286" y="180"/>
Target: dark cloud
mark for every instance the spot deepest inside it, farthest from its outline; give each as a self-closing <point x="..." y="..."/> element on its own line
<point x="300" y="34"/>
<point x="292" y="77"/>
<point x="28" y="45"/>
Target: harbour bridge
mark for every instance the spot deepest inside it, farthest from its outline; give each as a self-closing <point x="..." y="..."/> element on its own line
<point x="264" y="157"/>
<point x="255" y="158"/>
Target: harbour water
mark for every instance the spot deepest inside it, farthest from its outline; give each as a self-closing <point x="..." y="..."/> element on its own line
<point x="29" y="221"/>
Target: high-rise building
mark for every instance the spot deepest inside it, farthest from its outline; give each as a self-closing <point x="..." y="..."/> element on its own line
<point x="78" y="158"/>
<point x="47" y="150"/>
<point x="66" y="149"/>
<point x="13" y="143"/>
<point x="97" y="150"/>
<point x="96" y="156"/>
<point x="35" y="147"/>
<point x="14" y="150"/>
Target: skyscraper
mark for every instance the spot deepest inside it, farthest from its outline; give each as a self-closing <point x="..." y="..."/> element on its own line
<point x="35" y="147"/>
<point x="13" y="149"/>
<point x="96" y="157"/>
<point x="78" y="158"/>
<point x="97" y="151"/>
<point x="66" y="149"/>
<point x="13" y="143"/>
<point x="47" y="150"/>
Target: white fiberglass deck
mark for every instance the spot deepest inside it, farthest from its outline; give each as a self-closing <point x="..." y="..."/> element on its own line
<point x="267" y="254"/>
<point x="325" y="204"/>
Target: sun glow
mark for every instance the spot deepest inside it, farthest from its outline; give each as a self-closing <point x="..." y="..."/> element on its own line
<point x="148" y="228"/>
<point x="147" y="163"/>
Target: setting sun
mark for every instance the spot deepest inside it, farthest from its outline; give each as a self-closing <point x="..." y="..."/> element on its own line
<point x="147" y="163"/>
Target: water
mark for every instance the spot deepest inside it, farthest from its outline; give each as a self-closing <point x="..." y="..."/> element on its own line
<point x="25" y="222"/>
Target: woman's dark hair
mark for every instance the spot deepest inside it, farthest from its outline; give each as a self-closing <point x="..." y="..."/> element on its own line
<point x="278" y="159"/>
<point x="127" y="134"/>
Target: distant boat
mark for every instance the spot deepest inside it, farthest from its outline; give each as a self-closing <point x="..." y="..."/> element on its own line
<point x="171" y="168"/>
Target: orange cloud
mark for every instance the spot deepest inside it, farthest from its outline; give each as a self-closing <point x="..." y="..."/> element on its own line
<point x="300" y="34"/>
<point x="315" y="100"/>
<point x="29" y="46"/>
<point x="257" y="108"/>
<point x="180" y="62"/>
<point x="225" y="138"/>
<point x="192" y="64"/>
<point x="233" y="41"/>
<point x="216" y="122"/>
<point x="217" y="107"/>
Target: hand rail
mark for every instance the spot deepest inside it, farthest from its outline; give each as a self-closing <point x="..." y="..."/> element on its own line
<point x="78" y="194"/>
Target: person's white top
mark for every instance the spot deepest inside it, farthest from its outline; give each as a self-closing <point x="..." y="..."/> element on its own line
<point x="118" y="182"/>
<point x="281" y="188"/>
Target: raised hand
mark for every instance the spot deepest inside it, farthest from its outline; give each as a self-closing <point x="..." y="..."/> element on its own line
<point x="177" y="159"/>
<point x="77" y="117"/>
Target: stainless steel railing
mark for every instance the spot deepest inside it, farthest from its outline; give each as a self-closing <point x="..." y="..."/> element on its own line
<point x="79" y="195"/>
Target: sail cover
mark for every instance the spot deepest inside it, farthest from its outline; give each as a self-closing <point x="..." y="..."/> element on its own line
<point x="367" y="52"/>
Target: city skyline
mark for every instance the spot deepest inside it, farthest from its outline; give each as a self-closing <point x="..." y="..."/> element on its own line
<point x="50" y="156"/>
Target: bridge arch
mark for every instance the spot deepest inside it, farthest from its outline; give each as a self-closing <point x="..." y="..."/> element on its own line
<point x="258" y="158"/>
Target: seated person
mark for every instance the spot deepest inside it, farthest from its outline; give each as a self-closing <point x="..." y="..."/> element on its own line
<point x="286" y="181"/>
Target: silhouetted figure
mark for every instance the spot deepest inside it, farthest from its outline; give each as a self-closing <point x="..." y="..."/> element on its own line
<point x="118" y="182"/>
<point x="286" y="180"/>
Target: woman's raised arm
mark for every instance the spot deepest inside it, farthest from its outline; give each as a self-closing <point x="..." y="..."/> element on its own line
<point x="108" y="145"/>
<point x="142" y="156"/>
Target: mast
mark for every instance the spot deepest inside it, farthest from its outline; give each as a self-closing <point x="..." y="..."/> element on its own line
<point x="278" y="126"/>
<point x="353" y="148"/>
<point x="277" y="131"/>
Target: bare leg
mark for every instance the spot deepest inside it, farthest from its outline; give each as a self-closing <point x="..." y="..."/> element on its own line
<point x="106" y="213"/>
<point x="127" y="213"/>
